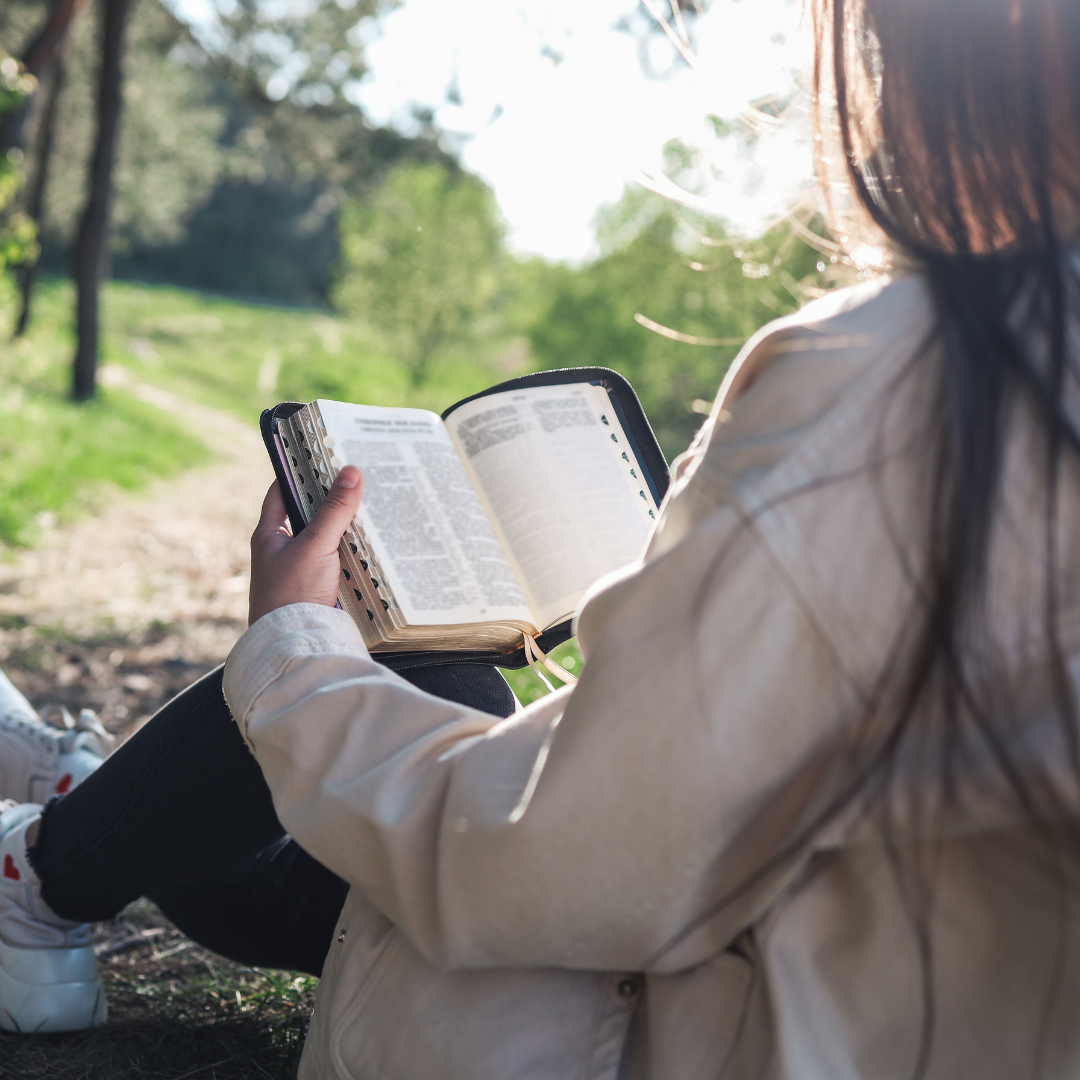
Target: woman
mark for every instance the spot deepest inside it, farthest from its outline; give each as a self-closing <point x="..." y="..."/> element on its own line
<point x="812" y="810"/>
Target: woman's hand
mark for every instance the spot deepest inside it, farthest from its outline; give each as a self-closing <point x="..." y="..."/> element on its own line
<point x="303" y="569"/>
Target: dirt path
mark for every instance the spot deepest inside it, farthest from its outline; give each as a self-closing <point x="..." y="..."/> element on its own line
<point x="120" y="611"/>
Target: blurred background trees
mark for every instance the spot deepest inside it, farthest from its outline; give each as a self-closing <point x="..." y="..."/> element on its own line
<point x="243" y="169"/>
<point x="420" y="260"/>
<point x="231" y="167"/>
<point x="18" y="240"/>
<point x="668" y="302"/>
<point x="90" y="259"/>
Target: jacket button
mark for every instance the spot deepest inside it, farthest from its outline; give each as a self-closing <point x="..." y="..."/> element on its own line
<point x="627" y="987"/>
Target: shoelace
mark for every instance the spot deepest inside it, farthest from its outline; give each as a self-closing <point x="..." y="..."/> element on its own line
<point x="87" y="731"/>
<point x="34" y="728"/>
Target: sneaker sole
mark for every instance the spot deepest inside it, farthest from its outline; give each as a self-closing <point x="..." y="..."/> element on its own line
<point x="49" y="990"/>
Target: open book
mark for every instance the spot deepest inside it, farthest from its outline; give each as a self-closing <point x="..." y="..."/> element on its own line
<point x="487" y="523"/>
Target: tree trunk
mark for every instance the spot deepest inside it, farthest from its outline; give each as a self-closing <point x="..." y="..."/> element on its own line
<point x="36" y="57"/>
<point x="35" y="202"/>
<point x="92" y="243"/>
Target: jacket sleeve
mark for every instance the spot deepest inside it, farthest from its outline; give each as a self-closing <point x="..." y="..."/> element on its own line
<point x="641" y="820"/>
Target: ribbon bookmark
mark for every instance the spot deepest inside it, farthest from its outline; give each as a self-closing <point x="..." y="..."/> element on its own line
<point x="534" y="655"/>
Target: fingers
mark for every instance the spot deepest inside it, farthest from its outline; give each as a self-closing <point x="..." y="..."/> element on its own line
<point x="337" y="511"/>
<point x="306" y="569"/>
<point x="273" y="514"/>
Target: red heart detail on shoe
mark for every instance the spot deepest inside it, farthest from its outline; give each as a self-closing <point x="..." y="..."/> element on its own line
<point x="11" y="871"/>
<point x="65" y="784"/>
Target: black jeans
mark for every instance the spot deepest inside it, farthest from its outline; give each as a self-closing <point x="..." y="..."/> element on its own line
<point x="181" y="814"/>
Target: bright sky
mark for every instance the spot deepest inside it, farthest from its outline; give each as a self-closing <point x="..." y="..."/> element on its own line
<point x="558" y="115"/>
<point x="561" y="114"/>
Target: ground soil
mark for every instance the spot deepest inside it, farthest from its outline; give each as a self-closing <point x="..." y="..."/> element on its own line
<point x="118" y="613"/>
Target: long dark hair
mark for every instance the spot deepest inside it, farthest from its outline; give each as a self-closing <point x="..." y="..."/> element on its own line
<point x="956" y="126"/>
<point x="949" y="132"/>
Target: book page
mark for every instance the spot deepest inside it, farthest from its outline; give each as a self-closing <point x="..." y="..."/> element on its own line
<point x="562" y="486"/>
<point x="422" y="516"/>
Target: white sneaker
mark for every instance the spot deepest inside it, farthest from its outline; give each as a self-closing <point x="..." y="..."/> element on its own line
<point x="38" y="760"/>
<point x="49" y="978"/>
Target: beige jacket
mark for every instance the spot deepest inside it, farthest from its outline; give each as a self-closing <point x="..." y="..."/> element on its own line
<point x="535" y="898"/>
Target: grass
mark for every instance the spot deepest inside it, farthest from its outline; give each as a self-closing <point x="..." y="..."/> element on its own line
<point x="529" y="688"/>
<point x="58" y="457"/>
<point x="244" y="357"/>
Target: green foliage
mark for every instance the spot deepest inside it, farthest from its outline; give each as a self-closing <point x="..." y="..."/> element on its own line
<point x="169" y="155"/>
<point x="15" y="83"/>
<point x="295" y="150"/>
<point x="243" y="357"/>
<point x="657" y="267"/>
<point x="529" y="688"/>
<point x="420" y="260"/>
<point x="168" y="158"/>
<point x="18" y="237"/>
<point x="236" y="151"/>
<point x="309" y="53"/>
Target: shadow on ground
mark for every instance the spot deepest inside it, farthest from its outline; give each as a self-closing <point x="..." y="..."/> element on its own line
<point x="175" y="1011"/>
<point x="125" y="678"/>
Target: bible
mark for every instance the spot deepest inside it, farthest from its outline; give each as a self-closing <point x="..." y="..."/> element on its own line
<point x="480" y="530"/>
